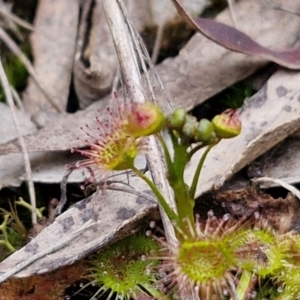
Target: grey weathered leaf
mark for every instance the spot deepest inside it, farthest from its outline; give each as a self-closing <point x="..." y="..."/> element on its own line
<point x="53" y="48"/>
<point x="201" y="70"/>
<point x="113" y="219"/>
<point x="267" y="118"/>
<point x="96" y="62"/>
<point x="280" y="162"/>
<point x="12" y="165"/>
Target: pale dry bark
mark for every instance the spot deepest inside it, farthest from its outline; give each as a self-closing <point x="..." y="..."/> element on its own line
<point x="133" y="86"/>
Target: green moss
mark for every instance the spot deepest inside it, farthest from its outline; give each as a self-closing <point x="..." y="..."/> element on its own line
<point x="267" y="290"/>
<point x="234" y="96"/>
<point x="15" y="71"/>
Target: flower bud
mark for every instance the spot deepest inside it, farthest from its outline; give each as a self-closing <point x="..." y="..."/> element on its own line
<point x="189" y="126"/>
<point x="144" y="119"/>
<point x="227" y="125"/>
<point x="177" y="118"/>
<point x="204" y="131"/>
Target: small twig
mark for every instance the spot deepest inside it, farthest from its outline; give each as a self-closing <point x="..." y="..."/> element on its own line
<point x="17" y="51"/>
<point x="132" y="81"/>
<point x="287" y="186"/>
<point x="63" y="191"/>
<point x="138" y="48"/>
<point x="17" y="98"/>
<point x="143" y="53"/>
<point x="130" y="191"/>
<point x="5" y="13"/>
<point x="157" y="43"/>
<point x="46" y="252"/>
<point x="10" y="101"/>
<point x="109" y="185"/>
<point x="152" y="68"/>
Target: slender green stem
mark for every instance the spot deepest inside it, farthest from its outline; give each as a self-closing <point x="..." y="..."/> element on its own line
<point x="168" y="159"/>
<point x="153" y="291"/>
<point x="5" y="240"/>
<point x="20" y="228"/>
<point x="194" y="150"/>
<point x="243" y="286"/>
<point x="193" y="187"/>
<point x="170" y="213"/>
<point x="23" y="203"/>
<point x="8" y="245"/>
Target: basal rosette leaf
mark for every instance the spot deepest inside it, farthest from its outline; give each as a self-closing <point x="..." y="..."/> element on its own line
<point x="123" y="267"/>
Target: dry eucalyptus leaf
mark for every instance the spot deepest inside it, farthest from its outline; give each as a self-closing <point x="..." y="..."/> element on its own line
<point x="46" y="167"/>
<point x="235" y="40"/>
<point x="7" y="128"/>
<point x="115" y="214"/>
<point x="201" y="70"/>
<point x="267" y="118"/>
<point x="96" y="62"/>
<point x="61" y="133"/>
<point x="53" y="48"/>
<point x="290" y="6"/>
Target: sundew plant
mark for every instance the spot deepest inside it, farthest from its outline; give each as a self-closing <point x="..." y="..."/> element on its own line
<point x="215" y="259"/>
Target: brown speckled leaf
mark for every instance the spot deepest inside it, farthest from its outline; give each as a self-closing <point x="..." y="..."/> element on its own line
<point x="116" y="214"/>
<point x="235" y="40"/>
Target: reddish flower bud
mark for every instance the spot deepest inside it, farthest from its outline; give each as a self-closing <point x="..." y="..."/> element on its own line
<point x="227" y="125"/>
<point x="143" y="119"/>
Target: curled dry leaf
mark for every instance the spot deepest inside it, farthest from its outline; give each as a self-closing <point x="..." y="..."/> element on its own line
<point x="235" y="40"/>
<point x="96" y="62"/>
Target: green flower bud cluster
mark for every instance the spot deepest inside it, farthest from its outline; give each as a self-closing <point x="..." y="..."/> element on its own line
<point x="225" y="125"/>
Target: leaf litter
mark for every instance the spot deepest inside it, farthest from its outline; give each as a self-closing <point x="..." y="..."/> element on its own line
<point x="268" y="117"/>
